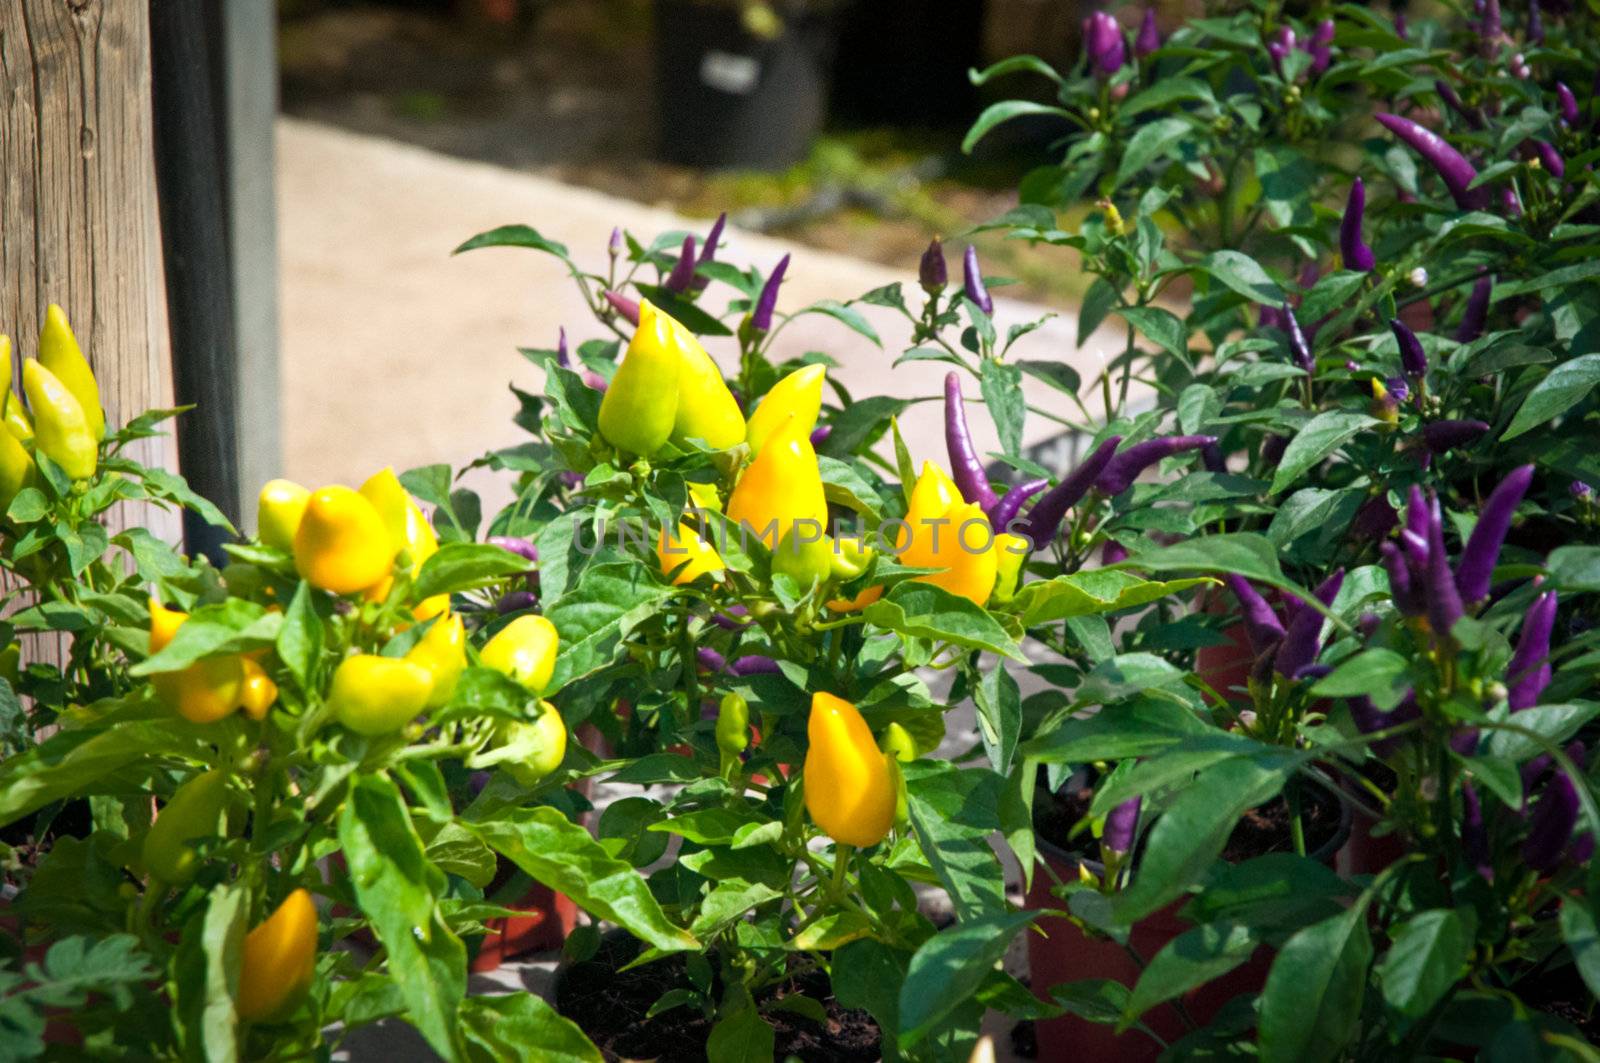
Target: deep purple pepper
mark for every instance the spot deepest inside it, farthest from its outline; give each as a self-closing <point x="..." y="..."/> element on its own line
<point x="1509" y="201"/>
<point x="1374" y="520"/>
<point x="1269" y="317"/>
<point x="932" y="273"/>
<point x="1113" y="553"/>
<point x="563" y="358"/>
<point x="1442" y="436"/>
<point x="1005" y="510"/>
<point x="1302" y="639"/>
<point x="708" y="250"/>
<point x="1122" y="470"/>
<point x="1044" y="519"/>
<point x="1322" y="46"/>
<point x="682" y="274"/>
<point x="1579" y="490"/>
<point x="1464" y="740"/>
<point x="710" y="659"/>
<point x="1397" y="386"/>
<point x="1272" y="449"/>
<point x="627" y="308"/>
<point x="1401" y="588"/>
<point x="1533" y="773"/>
<point x="1401" y="28"/>
<point x="1148" y="40"/>
<point x="1452" y="100"/>
<point x="1553" y="817"/>
<point x="1535" y="23"/>
<point x="1490" y="27"/>
<point x="1581" y="849"/>
<point x="767" y="301"/>
<point x="1568" y="104"/>
<point x="1121" y="823"/>
<point x="1474" y="835"/>
<point x="1261" y="625"/>
<point x="1103" y="46"/>
<point x="1453" y="167"/>
<point x="734" y="618"/>
<point x="1483" y="545"/>
<point x="1477" y="310"/>
<point x="966" y="467"/>
<point x="1550" y="158"/>
<point x="1439" y="588"/>
<point x="521" y="547"/>
<point x="1278" y="52"/>
<point x="1369" y="719"/>
<point x="1212" y="458"/>
<point x="820" y="434"/>
<point x="1352" y="249"/>
<point x="754" y="664"/>
<point x="1413" y="359"/>
<point x="972" y="280"/>
<point x="516" y="602"/>
<point x="1529" y="671"/>
<point x="1298" y="347"/>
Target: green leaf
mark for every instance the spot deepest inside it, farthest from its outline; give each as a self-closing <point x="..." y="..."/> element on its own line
<point x="1093" y="591"/>
<point x="465" y="566"/>
<point x="1116" y="732"/>
<point x="743" y="1037"/>
<point x="1058" y="375"/>
<point x="1188" y="961"/>
<point x="73" y="763"/>
<point x="592" y="618"/>
<point x="233" y="626"/>
<point x="1378" y="673"/>
<point x="1318" y="438"/>
<point x="1564" y="387"/>
<point x="954" y="811"/>
<point x="207" y="968"/>
<point x="1162" y="326"/>
<point x="845" y="315"/>
<point x="867" y="974"/>
<point x="999" y="704"/>
<point x="1012" y="65"/>
<point x="515" y="236"/>
<point x="1101" y="298"/>
<point x="1152" y="142"/>
<point x="688" y="314"/>
<point x="1313" y="993"/>
<point x="1427" y="955"/>
<point x="1250" y="555"/>
<point x="1556" y="723"/>
<point x="1578" y="930"/>
<point x="564" y="856"/>
<point x="1001" y="384"/>
<point x="508" y="1027"/>
<point x="1575" y="568"/>
<point x="300" y="638"/>
<point x="1243" y="274"/>
<point x="1005" y="111"/>
<point x="1278" y="891"/>
<point x="949" y="968"/>
<point x="921" y="610"/>
<point x="398" y="890"/>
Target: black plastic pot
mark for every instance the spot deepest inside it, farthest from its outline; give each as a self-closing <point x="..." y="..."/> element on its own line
<point x="727" y="99"/>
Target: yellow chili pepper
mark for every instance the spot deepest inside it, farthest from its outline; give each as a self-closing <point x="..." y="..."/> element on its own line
<point x="899" y="748"/>
<point x="798" y="395"/>
<point x="258" y="692"/>
<point x="409" y="530"/>
<point x="205" y="691"/>
<point x="947" y="534"/>
<point x="687" y="546"/>
<point x="1010" y="551"/>
<point x="61" y="427"/>
<point x="17" y="469"/>
<point x="528" y="750"/>
<point x="442" y="650"/>
<point x="525" y="650"/>
<point x="278" y="960"/>
<point x="342" y="544"/>
<point x="848" y="788"/>
<point x="640" y="406"/>
<point x="59" y="352"/>
<point x="782" y="486"/>
<point x="193" y="813"/>
<point x="279" y="509"/>
<point x="17" y="421"/>
<point x="866" y="597"/>
<point x="706" y="409"/>
<point x="374" y="695"/>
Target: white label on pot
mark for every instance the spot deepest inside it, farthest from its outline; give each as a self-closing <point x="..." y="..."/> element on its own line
<point x="734" y="74"/>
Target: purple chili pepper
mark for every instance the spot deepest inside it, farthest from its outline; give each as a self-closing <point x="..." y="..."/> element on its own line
<point x="1509" y="201"/>
<point x="563" y="359"/>
<point x="1397" y="387"/>
<point x="710" y="659"/>
<point x="1452" y="100"/>
<point x="965" y="466"/>
<point x="521" y="547"/>
<point x="1417" y="515"/>
<point x="1212" y="458"/>
<point x="1535" y="23"/>
<point x="1321" y="46"/>
<point x="1113" y="553"/>
<point x="1277" y="52"/>
<point x="682" y="274"/>
<point x="1438" y="585"/>
<point x="932" y="272"/>
<point x="1413" y="359"/>
<point x="1374" y="519"/>
<point x="767" y="302"/>
<point x="627" y="308"/>
<point x="1581" y="849"/>
<point x="1261" y="624"/>
<point x="734" y="618"/>
<point x="1453" y="167"/>
<point x="1005" y="510"/>
<point x="1269" y="317"/>
<point x="1302" y="639"/>
<point x="1554" y="816"/>
<point x="1442" y="436"/>
<point x="1120" y="826"/>
<point x="1103" y="46"/>
<point x="1122" y="470"/>
<point x="1149" y="37"/>
<point x="1474" y="836"/>
<point x="1369" y="719"/>
<point x="1401" y="589"/>
<point x="754" y="664"/>
<point x="1298" y="347"/>
<point x="1464" y="740"/>
<point x="1568" y="103"/>
<point x="1579" y="490"/>
<point x="972" y="280"/>
<point x="1272" y="449"/>
<point x="1549" y="158"/>
<point x="708" y="250"/>
<point x="820" y="434"/>
<point x="1477" y="310"/>
<point x="614" y="245"/>
<point x="1483" y="545"/>
<point x="1529" y="670"/>
<point x="1044" y="519"/>
<point x="1401" y="29"/>
<point x="516" y="602"/>
<point x="1354" y="250"/>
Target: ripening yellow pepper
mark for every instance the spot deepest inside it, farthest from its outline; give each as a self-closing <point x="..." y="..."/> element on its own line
<point x="442" y="650"/>
<point x="257" y="692"/>
<point x="687" y="546"/>
<point x="278" y="960"/>
<point x="706" y="409"/>
<point x="342" y="544"/>
<point x="375" y="696"/>
<point x="59" y="352"/>
<point x="205" y="691"/>
<point x="849" y="789"/>
<point x="62" y="430"/>
<point x="408" y="528"/>
<point x="1010" y="553"/>
<point x="17" y="469"/>
<point x="640" y="406"/>
<point x="943" y="532"/>
<point x="798" y="395"/>
<point x="525" y="650"/>
<point x="279" y="510"/>
<point x="13" y="414"/>
<point x="780" y="487"/>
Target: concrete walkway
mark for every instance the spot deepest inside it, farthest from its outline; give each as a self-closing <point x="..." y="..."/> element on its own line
<point x="395" y="352"/>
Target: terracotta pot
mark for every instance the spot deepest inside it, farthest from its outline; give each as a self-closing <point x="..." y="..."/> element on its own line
<point x="1226" y="666"/>
<point x="549" y="917"/>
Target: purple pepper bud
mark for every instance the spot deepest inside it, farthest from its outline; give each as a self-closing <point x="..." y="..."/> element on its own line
<point x="820" y="434"/>
<point x="1553" y="817"/>
<point x="1464" y="740"/>
<point x="1417" y="517"/>
<point x="1103" y="46"/>
<point x="1477" y="310"/>
<point x="965" y="466"/>
<point x="682" y="274"/>
<point x="1483" y="545"/>
<point x="1451" y="166"/>
<point x="1272" y="449"/>
<point x="972" y="280"/>
<point x="1113" y="553"/>
<point x="1302" y="638"/>
<point x="1397" y="386"/>
<point x="594" y="380"/>
<point x="1298" y="347"/>
<point x="754" y="664"/>
<point x="1212" y="458"/>
<point x="1120" y="826"/>
<point x="708" y="251"/>
<point x="1580" y="490"/>
<point x="710" y="660"/>
<point x="1321" y="46"/>
<point x="1550" y="158"/>
<point x="1005" y="510"/>
<point x="1401" y="28"/>
<point x="1374" y="519"/>
<point x="614" y="245"/>
<point x="1369" y="719"/>
<point x="563" y="358"/>
<point x="1529" y="671"/>
<point x="1442" y="436"/>
<point x="734" y="618"/>
<point x="1568" y="104"/>
<point x="521" y="547"/>
<point x="1261" y="625"/>
<point x="767" y="301"/>
<point x="1401" y="589"/>
<point x="1474" y="835"/>
<point x="1323" y="34"/>
<point x="1122" y="470"/>
<point x="1044" y="519"/>
<point x="1535" y="23"/>
<point x="1148" y="40"/>
<point x="1452" y="100"/>
<point x="1439" y="585"/>
<point x="1413" y="359"/>
<point x="516" y="602"/>
<point x="1269" y="317"/>
<point x="1277" y="52"/>
<point x="1509" y="201"/>
<point x="932" y="273"/>
<point x="625" y="307"/>
<point x="1354" y="250"/>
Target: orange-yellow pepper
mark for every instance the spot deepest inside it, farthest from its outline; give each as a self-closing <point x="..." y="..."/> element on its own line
<point x="205" y="691"/>
<point x="849" y="789"/>
<point x="706" y="409"/>
<point x="342" y="544"/>
<point x="257" y="693"/>
<point x="442" y="650"/>
<point x="781" y="486"/>
<point x="409" y="530"/>
<point x="950" y="535"/>
<point x="525" y="650"/>
<point x="687" y="546"/>
<point x="798" y="395"/>
<point x="375" y="696"/>
<point x="278" y="960"/>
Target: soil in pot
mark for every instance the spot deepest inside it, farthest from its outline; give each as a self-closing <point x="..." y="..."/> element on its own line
<point x="610" y="1005"/>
